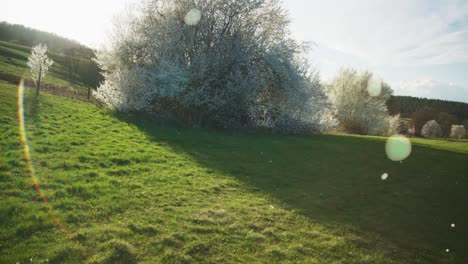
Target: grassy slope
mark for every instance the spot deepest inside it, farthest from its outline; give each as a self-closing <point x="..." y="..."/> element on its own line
<point x="128" y="190"/>
<point x="13" y="59"/>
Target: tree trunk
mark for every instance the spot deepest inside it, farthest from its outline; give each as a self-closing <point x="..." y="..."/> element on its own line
<point x="89" y="91"/>
<point x="39" y="81"/>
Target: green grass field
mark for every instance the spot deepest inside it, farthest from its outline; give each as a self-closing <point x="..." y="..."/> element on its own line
<point x="127" y="191"/>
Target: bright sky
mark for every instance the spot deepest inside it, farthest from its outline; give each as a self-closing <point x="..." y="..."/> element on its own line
<point x="86" y="21"/>
<point x="419" y="46"/>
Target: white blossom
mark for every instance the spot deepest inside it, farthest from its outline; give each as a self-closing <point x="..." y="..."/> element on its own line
<point x="457" y="131"/>
<point x="431" y="129"/>
<point x="236" y="66"/>
<point x="39" y="63"/>
<point x="356" y="109"/>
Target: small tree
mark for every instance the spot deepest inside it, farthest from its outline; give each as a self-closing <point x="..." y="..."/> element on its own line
<point x="72" y="60"/>
<point x="457" y="131"/>
<point x="431" y="129"/>
<point x="39" y="64"/>
<point x="91" y="75"/>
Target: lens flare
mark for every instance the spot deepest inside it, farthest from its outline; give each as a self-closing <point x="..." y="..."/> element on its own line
<point x="398" y="147"/>
<point x="384" y="176"/>
<point x="27" y="157"/>
<point x="193" y="17"/>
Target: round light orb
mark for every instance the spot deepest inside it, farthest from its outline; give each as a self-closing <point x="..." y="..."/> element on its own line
<point x="384" y="176"/>
<point x="192" y="17"/>
<point x="398" y="147"/>
<point x="374" y="86"/>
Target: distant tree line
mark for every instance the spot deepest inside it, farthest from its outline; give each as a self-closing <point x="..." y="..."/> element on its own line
<point x="407" y="105"/>
<point x="423" y="110"/>
<point x="79" y="69"/>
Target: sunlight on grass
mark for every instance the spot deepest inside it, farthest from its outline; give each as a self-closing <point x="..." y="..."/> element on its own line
<point x="128" y="189"/>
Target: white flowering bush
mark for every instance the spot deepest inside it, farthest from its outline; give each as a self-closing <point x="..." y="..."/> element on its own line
<point x="457" y="131"/>
<point x="39" y="64"/>
<point x="359" y="109"/>
<point x="232" y="64"/>
<point x="393" y="125"/>
<point x="431" y="130"/>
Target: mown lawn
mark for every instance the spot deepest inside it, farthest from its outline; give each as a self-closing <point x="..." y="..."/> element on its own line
<point x="127" y="191"/>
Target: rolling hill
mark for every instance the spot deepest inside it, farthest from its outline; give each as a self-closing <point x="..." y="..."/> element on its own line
<point x="13" y="65"/>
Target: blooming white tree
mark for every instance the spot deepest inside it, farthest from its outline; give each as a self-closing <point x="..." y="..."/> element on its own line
<point x="39" y="64"/>
<point x="431" y="129"/>
<point x="219" y="62"/>
<point x="457" y="131"/>
<point x="359" y="102"/>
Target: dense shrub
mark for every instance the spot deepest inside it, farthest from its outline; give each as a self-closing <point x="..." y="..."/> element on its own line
<point x="431" y="130"/>
<point x="457" y="131"/>
<point x="213" y="62"/>
<point x="359" y="103"/>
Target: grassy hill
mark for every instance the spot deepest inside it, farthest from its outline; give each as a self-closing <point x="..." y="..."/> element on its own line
<point x="126" y="190"/>
<point x="13" y="59"/>
<point x="29" y="37"/>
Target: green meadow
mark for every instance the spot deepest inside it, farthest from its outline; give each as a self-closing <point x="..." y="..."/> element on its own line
<point x="129" y="190"/>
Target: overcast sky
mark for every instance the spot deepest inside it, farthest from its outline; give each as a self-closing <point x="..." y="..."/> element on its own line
<point x="420" y="47"/>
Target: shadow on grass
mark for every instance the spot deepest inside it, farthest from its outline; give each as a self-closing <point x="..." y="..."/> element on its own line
<point x="336" y="181"/>
<point x="32" y="106"/>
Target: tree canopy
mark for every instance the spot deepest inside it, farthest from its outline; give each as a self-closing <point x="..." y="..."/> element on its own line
<point x="359" y="100"/>
<point x="219" y="62"/>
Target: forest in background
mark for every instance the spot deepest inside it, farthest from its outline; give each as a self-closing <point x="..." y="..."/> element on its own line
<point x="418" y="111"/>
<point x="407" y="105"/>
